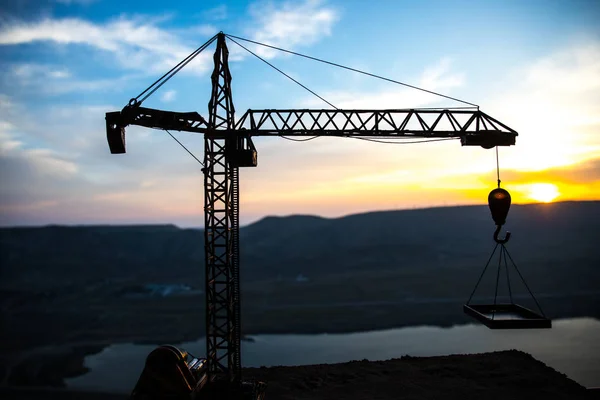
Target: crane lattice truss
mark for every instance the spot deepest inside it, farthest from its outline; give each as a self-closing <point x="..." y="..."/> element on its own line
<point x="228" y="146"/>
<point x="473" y="126"/>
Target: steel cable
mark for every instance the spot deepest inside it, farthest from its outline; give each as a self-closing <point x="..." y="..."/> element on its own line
<point x="353" y="69"/>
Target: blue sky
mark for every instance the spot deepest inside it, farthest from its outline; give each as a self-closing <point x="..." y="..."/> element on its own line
<point x="535" y="65"/>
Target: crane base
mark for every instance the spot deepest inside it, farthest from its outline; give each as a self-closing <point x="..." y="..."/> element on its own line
<point x="507" y="316"/>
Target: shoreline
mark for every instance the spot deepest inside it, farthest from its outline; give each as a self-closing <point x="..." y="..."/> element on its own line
<point x="50" y="366"/>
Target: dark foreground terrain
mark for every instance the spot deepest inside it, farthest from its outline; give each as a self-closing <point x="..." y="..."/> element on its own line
<point x="501" y="375"/>
<point x="67" y="292"/>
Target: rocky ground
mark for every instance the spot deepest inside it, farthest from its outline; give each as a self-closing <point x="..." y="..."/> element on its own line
<point x="499" y="375"/>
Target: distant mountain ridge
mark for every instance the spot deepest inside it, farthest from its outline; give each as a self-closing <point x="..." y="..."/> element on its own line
<point x="359" y="272"/>
<point x="446" y="237"/>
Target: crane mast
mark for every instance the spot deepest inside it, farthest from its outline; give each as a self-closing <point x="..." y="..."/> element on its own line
<point x="221" y="229"/>
<point x="228" y="146"/>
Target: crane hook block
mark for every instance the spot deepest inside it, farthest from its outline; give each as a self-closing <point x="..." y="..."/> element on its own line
<point x="499" y="202"/>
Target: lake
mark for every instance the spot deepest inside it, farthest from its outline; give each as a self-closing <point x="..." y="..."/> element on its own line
<point x="572" y="347"/>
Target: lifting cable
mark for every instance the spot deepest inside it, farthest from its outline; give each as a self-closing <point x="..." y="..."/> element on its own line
<point x="298" y="140"/>
<point x="163" y="79"/>
<point x="506" y="255"/>
<point x="185" y="148"/>
<point x="399" y="140"/>
<point x="354" y="70"/>
<point x="402" y="140"/>
<point x="497" y="167"/>
<point x="289" y="77"/>
<point x="280" y="71"/>
<point x="231" y="37"/>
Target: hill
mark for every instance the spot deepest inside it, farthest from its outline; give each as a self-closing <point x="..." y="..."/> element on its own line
<point x="299" y="273"/>
<point x="545" y="236"/>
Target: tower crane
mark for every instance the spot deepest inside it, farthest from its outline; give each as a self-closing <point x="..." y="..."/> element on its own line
<point x="228" y="146"/>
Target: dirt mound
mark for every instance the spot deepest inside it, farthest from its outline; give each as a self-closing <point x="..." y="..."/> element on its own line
<point x="499" y="375"/>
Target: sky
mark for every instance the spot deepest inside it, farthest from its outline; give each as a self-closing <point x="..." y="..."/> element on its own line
<point x="533" y="65"/>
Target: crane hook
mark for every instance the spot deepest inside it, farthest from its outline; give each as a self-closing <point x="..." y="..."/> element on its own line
<point x="497" y="232"/>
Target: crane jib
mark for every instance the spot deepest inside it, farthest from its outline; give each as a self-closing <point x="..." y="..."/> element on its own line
<point x="474" y="127"/>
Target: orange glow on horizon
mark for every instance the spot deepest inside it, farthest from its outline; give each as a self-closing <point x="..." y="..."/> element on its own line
<point x="351" y="196"/>
<point x="543" y="192"/>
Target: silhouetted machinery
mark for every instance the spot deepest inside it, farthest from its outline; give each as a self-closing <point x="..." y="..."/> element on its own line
<point x="227" y="147"/>
<point x="171" y="372"/>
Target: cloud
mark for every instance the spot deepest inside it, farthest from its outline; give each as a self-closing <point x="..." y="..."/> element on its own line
<point x="554" y="104"/>
<point x="48" y="164"/>
<point x="5" y="103"/>
<point x="437" y="77"/>
<point x="168" y="96"/>
<point x="30" y="70"/>
<point x="55" y="171"/>
<point x="579" y="181"/>
<point x="139" y="43"/>
<point x="582" y="173"/>
<point x="32" y="177"/>
<point x="17" y="157"/>
<point x="53" y="80"/>
<point x="136" y="42"/>
<point x="80" y="2"/>
<point x="56" y="166"/>
<point x="7" y="142"/>
<point x="218" y="13"/>
<point x="290" y="25"/>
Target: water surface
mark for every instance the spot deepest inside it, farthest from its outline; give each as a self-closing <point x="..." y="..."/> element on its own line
<point x="571" y="347"/>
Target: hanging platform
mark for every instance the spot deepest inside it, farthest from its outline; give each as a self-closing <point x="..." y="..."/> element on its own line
<point x="507" y="316"/>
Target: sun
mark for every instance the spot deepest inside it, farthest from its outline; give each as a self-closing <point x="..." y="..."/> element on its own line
<point x="544" y="192"/>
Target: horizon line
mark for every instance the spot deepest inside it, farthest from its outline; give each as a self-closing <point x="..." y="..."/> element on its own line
<point x="166" y="224"/>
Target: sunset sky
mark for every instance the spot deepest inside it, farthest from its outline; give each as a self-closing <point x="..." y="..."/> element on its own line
<point x="534" y="65"/>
